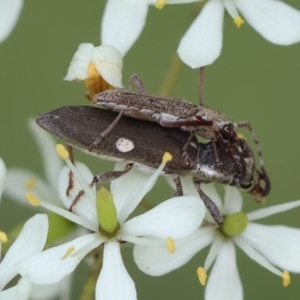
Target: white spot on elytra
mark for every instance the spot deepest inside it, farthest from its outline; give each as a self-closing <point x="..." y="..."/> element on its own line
<point x="124" y="145"/>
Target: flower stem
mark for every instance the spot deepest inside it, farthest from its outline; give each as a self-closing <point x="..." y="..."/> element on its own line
<point x="171" y="77"/>
<point x="88" y="292"/>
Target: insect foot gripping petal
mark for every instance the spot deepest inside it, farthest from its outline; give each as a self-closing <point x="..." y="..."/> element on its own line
<point x="210" y="205"/>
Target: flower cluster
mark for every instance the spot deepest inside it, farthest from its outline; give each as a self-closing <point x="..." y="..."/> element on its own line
<point x="167" y="236"/>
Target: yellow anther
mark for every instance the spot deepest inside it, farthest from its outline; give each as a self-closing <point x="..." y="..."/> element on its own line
<point x="171" y="245"/>
<point x="30" y="183"/>
<point x="92" y="71"/>
<point x="62" y="151"/>
<point x="240" y="136"/>
<point x="202" y="275"/>
<point x="68" y="252"/>
<point x="286" y="279"/>
<point x="167" y="157"/>
<point x="34" y="201"/>
<point x="3" y="237"/>
<point x="160" y="4"/>
<point x="238" y="21"/>
<point x="258" y="199"/>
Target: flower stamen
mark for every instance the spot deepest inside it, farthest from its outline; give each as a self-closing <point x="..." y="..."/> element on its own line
<point x="62" y="151"/>
<point x="238" y="21"/>
<point x="30" y="183"/>
<point x="34" y="201"/>
<point x="202" y="275"/>
<point x="171" y="245"/>
<point x="167" y="157"/>
<point x="68" y="252"/>
<point x="3" y="237"/>
<point x="160" y="4"/>
<point x="240" y="136"/>
<point x="286" y="279"/>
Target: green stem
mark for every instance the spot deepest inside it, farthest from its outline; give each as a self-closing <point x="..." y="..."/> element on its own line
<point x="88" y="292"/>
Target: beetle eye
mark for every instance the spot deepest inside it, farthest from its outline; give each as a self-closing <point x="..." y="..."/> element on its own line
<point x="246" y="186"/>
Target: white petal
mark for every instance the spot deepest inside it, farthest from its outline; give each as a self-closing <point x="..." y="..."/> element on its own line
<point x="19" y="178"/>
<point x="19" y="292"/>
<point x="276" y="21"/>
<point x="233" y="200"/>
<point x="30" y="241"/>
<point x="130" y="189"/>
<point x="50" y="291"/>
<point x="52" y="265"/>
<point x="177" y="218"/>
<point x="78" y="68"/>
<point x="224" y="282"/>
<point x="244" y="244"/>
<point x="124" y="188"/>
<point x="272" y="210"/>
<point x="2" y="176"/>
<point x="189" y="190"/>
<point x="51" y="161"/>
<point x="85" y="207"/>
<point x="109" y="63"/>
<point x="279" y="244"/>
<point x="114" y="282"/>
<point x="9" y="15"/>
<point x="122" y="23"/>
<point x="202" y="43"/>
<point x="157" y="261"/>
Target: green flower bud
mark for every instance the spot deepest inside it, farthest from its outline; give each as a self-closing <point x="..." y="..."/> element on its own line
<point x="106" y="211"/>
<point x="235" y="224"/>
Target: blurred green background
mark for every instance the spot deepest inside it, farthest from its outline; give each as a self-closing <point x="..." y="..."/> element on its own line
<point x="252" y="80"/>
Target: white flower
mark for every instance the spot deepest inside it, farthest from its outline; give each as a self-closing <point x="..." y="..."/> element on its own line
<point x="2" y="176"/>
<point x="98" y="67"/>
<point x="30" y="241"/>
<point x="267" y="245"/>
<point x="201" y="45"/>
<point x="174" y="218"/>
<point x="21" y="181"/>
<point x="277" y="22"/>
<point x="9" y="15"/>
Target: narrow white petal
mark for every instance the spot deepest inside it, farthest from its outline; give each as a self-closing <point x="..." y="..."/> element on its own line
<point x="51" y="161"/>
<point x="202" y="43"/>
<point x="78" y="69"/>
<point x="233" y="200"/>
<point x="54" y="264"/>
<point x="279" y="244"/>
<point x="175" y="1"/>
<point x="90" y="224"/>
<point x="85" y="207"/>
<point x="19" y="292"/>
<point x="157" y="261"/>
<point x="30" y="241"/>
<point x="272" y="210"/>
<point x="19" y="178"/>
<point x="224" y="282"/>
<point x="177" y="218"/>
<point x="122" y="23"/>
<point x="276" y="21"/>
<point x="130" y="189"/>
<point x="2" y="176"/>
<point x="114" y="281"/>
<point x="109" y="63"/>
<point x="243" y="243"/>
<point x="9" y="15"/>
<point x="213" y="252"/>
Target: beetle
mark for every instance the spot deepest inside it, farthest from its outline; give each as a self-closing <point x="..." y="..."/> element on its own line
<point x="173" y="112"/>
<point x="142" y="144"/>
